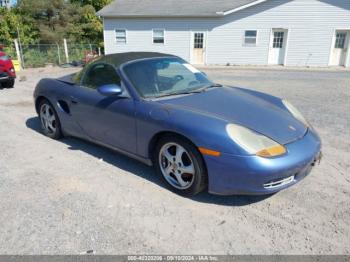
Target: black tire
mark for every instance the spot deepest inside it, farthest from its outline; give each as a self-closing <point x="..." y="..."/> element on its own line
<point x="57" y="132"/>
<point x="200" y="180"/>
<point x="9" y="84"/>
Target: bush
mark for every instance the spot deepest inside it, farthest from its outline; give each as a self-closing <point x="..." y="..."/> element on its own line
<point x="34" y="58"/>
<point x="10" y="52"/>
<point x="52" y="57"/>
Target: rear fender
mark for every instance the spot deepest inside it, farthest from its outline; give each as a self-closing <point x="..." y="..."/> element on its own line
<point x="58" y="93"/>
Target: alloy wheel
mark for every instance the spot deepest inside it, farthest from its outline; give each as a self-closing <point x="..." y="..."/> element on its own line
<point x="177" y="166"/>
<point x="48" y="119"/>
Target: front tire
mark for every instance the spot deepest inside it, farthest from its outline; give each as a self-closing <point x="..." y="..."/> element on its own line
<point x="180" y="165"/>
<point x="9" y="84"/>
<point x="50" y="124"/>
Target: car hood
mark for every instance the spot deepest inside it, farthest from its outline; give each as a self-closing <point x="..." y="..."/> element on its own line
<point x="239" y="107"/>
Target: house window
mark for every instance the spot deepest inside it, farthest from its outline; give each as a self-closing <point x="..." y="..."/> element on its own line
<point x="340" y="40"/>
<point x="278" y="39"/>
<point x="120" y="35"/>
<point x="158" y="36"/>
<point x="199" y="40"/>
<point x="250" y="37"/>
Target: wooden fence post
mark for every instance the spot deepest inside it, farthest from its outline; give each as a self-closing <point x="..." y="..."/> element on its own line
<point x="18" y="53"/>
<point x="66" y="50"/>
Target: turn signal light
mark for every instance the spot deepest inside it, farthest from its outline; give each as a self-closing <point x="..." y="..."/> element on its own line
<point x="272" y="151"/>
<point x="209" y="152"/>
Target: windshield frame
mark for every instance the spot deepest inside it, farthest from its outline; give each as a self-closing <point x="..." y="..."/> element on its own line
<point x="140" y="95"/>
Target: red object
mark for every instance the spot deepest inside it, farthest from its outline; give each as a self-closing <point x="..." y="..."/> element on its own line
<point x="7" y="70"/>
<point x="89" y="56"/>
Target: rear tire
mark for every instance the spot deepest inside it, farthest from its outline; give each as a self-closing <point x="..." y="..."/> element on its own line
<point x="180" y="165"/>
<point x="50" y="123"/>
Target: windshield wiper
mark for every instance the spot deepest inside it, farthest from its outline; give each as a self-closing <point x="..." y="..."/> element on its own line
<point x="196" y="91"/>
<point x="204" y="88"/>
<point x="178" y="93"/>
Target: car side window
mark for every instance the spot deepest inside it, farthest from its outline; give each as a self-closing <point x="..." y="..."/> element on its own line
<point x="99" y="75"/>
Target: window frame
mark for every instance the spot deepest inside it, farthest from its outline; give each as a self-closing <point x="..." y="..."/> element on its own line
<point x="340" y="40"/>
<point x="158" y="29"/>
<point x="88" y="70"/>
<point x="250" y="37"/>
<point x="116" y="37"/>
<point x="282" y="40"/>
<point x="201" y="42"/>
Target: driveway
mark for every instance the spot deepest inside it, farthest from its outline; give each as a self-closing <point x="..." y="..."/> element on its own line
<point x="69" y="196"/>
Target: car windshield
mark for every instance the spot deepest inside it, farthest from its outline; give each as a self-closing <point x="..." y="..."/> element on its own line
<point x="160" y="77"/>
<point x="4" y="58"/>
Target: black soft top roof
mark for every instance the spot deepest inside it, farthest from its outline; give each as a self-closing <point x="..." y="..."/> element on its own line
<point x="115" y="59"/>
<point x="121" y="58"/>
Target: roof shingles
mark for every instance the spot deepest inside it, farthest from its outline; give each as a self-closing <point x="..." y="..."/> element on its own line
<point x="171" y="8"/>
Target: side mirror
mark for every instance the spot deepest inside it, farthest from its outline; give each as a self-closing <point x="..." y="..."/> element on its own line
<point x="110" y="90"/>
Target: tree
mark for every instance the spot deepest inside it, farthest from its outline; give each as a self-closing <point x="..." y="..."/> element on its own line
<point x="49" y="21"/>
<point x="50" y="16"/>
<point x="13" y="26"/>
<point x="91" y="28"/>
<point x="97" y="4"/>
<point x="91" y="25"/>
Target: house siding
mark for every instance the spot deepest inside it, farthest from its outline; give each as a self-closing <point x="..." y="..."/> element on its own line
<point x="311" y="25"/>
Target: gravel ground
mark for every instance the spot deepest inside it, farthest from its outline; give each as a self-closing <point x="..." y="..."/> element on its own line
<point x="69" y="196"/>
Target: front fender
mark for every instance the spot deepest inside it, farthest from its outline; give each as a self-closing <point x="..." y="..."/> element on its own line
<point x="204" y="131"/>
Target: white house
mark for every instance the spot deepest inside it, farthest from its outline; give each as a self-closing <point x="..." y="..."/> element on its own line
<point x="236" y="32"/>
<point x="5" y="3"/>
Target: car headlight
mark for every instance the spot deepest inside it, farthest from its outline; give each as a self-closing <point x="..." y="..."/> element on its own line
<point x="295" y="112"/>
<point x="254" y="143"/>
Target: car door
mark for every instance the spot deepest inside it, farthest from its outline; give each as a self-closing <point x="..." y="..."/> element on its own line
<point x="105" y="119"/>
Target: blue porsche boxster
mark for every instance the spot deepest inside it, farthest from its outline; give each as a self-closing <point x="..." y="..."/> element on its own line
<point x="159" y="109"/>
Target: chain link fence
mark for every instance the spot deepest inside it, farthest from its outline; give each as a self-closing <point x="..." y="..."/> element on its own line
<point x="40" y="55"/>
<point x="10" y="51"/>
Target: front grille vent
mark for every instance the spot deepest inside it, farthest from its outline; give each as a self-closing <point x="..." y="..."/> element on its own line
<point x="279" y="183"/>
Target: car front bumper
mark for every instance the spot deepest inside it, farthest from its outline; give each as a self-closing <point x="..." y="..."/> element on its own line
<point x="253" y="175"/>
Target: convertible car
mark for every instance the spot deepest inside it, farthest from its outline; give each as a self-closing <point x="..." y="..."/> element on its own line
<point x="198" y="135"/>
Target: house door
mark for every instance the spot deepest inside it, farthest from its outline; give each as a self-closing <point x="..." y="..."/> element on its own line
<point x="198" y="52"/>
<point x="340" y="48"/>
<point x="278" y="46"/>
